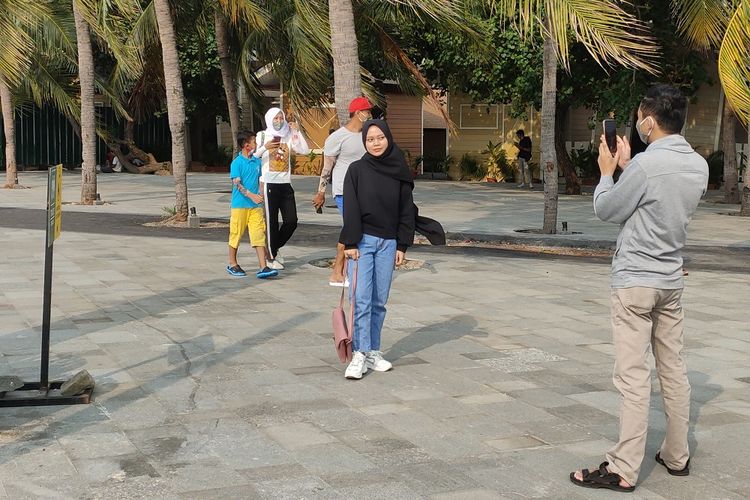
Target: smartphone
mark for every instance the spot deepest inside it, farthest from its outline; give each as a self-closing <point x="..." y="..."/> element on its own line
<point x="610" y="134"/>
<point x="319" y="210"/>
<point x="276" y="139"/>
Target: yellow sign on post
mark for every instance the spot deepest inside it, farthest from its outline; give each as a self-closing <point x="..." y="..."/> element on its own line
<point x="54" y="203"/>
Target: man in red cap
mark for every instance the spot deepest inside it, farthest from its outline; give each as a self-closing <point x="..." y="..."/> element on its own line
<point x="342" y="147"/>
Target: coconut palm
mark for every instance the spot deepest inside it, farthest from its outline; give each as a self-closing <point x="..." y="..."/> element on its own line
<point x="88" y="113"/>
<point x="36" y="57"/>
<point x="347" y="77"/>
<point x="242" y="16"/>
<point x="96" y="18"/>
<point x="9" y="129"/>
<point x="16" y="16"/>
<point x="726" y="25"/>
<point x="175" y="104"/>
<point x="378" y="18"/>
<point x="610" y="34"/>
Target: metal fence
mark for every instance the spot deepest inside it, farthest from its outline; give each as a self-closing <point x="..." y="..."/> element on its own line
<point x="46" y="137"/>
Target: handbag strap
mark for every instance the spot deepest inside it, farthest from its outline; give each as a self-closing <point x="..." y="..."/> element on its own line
<point x="354" y="291"/>
<point x="353" y="285"/>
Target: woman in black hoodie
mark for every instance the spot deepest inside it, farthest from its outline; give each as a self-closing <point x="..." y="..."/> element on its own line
<point x="379" y="220"/>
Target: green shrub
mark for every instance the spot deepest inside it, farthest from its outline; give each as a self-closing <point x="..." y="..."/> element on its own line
<point x="585" y="161"/>
<point x="437" y="163"/>
<point x="470" y="168"/>
<point x="497" y="164"/>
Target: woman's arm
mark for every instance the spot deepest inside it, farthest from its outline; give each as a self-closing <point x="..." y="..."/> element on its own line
<point x="351" y="233"/>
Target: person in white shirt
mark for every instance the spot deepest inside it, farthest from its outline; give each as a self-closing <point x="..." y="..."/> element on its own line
<point x="275" y="147"/>
<point x="342" y="147"/>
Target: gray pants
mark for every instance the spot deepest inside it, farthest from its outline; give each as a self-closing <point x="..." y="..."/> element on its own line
<point x="523" y="169"/>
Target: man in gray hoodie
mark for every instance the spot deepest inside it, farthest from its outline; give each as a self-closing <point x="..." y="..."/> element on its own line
<point x="653" y="201"/>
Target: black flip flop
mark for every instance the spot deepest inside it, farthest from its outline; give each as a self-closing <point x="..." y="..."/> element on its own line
<point x="685" y="471"/>
<point x="600" y="478"/>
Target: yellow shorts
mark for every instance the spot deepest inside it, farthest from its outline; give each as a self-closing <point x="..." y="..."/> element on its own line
<point x="250" y="218"/>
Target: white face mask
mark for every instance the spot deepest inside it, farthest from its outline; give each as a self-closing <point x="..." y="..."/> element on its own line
<point x="641" y="135"/>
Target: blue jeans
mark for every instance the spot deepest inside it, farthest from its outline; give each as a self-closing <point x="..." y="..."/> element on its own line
<point x="377" y="258"/>
<point x="339" y="199"/>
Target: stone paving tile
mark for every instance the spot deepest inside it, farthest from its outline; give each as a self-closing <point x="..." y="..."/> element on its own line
<point x="209" y="387"/>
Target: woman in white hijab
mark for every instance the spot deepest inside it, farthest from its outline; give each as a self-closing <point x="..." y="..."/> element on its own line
<point x="275" y="146"/>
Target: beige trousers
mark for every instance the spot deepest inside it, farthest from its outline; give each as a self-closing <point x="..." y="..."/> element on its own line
<point x="643" y="318"/>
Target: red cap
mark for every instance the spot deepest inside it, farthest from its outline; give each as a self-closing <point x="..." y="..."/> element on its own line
<point x="359" y="104"/>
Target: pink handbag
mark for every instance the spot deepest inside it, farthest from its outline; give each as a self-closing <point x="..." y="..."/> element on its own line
<point x="342" y="332"/>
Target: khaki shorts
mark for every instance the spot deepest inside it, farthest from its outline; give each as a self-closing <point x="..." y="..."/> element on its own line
<point x="253" y="220"/>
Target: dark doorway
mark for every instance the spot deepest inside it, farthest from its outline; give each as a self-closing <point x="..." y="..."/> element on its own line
<point x="434" y="143"/>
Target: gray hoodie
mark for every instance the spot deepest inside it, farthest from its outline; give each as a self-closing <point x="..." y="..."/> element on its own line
<point x="653" y="201"/>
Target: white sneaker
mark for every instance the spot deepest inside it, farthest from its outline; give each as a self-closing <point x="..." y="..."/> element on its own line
<point x="280" y="258"/>
<point x="275" y="264"/>
<point x="531" y="186"/>
<point x="521" y="185"/>
<point x="376" y="362"/>
<point x="357" y="367"/>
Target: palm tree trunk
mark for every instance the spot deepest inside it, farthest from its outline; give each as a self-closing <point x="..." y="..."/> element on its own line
<point x="548" y="152"/>
<point x="175" y="105"/>
<point x="130" y="131"/>
<point x="88" y="113"/>
<point x="745" y="210"/>
<point x="731" y="176"/>
<point x="9" y="126"/>
<point x="230" y="89"/>
<point x="347" y="79"/>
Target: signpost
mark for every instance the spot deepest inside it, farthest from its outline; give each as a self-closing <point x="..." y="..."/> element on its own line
<point x="43" y="392"/>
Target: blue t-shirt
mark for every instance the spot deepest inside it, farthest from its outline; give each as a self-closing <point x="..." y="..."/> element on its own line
<point x="248" y="170"/>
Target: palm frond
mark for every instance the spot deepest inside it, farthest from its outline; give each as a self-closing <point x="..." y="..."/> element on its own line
<point x="18" y="21"/>
<point x="701" y="22"/>
<point x="609" y="33"/>
<point x="734" y="65"/>
<point x="49" y="82"/>
<point x="108" y="21"/>
<point x="396" y="53"/>
<point x="449" y="13"/>
<point x="244" y="12"/>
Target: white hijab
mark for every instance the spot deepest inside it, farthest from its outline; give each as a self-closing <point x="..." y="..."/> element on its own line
<point x="283" y="132"/>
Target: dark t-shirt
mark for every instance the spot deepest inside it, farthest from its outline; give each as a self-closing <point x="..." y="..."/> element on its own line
<point x="525" y="144"/>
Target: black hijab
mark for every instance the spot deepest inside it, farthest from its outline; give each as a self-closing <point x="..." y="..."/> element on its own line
<point x="392" y="162"/>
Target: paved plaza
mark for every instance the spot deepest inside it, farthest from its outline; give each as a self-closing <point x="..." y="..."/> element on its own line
<point x="216" y="387"/>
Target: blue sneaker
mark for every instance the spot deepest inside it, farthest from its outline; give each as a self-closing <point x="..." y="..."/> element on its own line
<point x="266" y="272"/>
<point x="236" y="271"/>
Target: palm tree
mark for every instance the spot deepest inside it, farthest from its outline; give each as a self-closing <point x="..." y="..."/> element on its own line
<point x="175" y="105"/>
<point x="725" y="25"/>
<point x="101" y="17"/>
<point x="88" y="113"/>
<point x="243" y="15"/>
<point x="376" y="16"/>
<point x="609" y="34"/>
<point x="35" y="61"/>
<point x="17" y="44"/>
<point x="347" y="79"/>
<point x="9" y="128"/>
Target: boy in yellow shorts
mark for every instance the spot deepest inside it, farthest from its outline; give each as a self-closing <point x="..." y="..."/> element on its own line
<point x="246" y="209"/>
